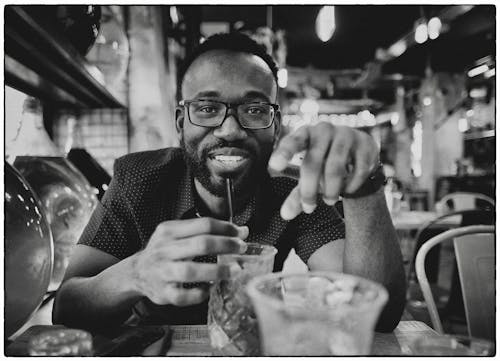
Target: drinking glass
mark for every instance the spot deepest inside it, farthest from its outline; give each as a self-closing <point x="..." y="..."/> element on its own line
<point x="61" y="342"/>
<point x="232" y="323"/>
<point x="316" y="313"/>
<point x="451" y="345"/>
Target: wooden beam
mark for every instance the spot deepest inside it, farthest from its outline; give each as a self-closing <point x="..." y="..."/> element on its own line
<point x="46" y="53"/>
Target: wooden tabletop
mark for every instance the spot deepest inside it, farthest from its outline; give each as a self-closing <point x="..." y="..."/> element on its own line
<point x="192" y="340"/>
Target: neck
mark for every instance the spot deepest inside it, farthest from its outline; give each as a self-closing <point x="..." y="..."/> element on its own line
<point x="218" y="206"/>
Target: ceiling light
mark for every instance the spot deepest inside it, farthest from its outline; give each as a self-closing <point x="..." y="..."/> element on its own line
<point x="282" y="78"/>
<point x="394" y="118"/>
<point x="478" y="93"/>
<point x="325" y="23"/>
<point x="427" y="101"/>
<point x="477" y="70"/>
<point x="463" y="125"/>
<point x="397" y="48"/>
<point x="434" y="27"/>
<point x="489" y="73"/>
<point x="309" y="106"/>
<point x="421" y="35"/>
<point x="174" y="15"/>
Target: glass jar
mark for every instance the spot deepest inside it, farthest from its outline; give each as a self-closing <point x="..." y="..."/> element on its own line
<point x="232" y="323"/>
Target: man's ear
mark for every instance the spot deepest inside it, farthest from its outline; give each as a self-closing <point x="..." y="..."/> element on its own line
<point x="179" y="120"/>
<point x="277" y="127"/>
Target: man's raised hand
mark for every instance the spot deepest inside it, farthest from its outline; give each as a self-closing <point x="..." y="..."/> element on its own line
<point x="337" y="159"/>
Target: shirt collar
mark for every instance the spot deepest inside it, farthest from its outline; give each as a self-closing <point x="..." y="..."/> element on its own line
<point x="185" y="205"/>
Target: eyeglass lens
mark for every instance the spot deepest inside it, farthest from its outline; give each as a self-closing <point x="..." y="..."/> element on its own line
<point x="212" y="114"/>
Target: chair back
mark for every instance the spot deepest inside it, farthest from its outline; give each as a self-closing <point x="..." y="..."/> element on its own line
<point x="422" y="277"/>
<point x="428" y="230"/>
<point x="475" y="254"/>
<point x="463" y="200"/>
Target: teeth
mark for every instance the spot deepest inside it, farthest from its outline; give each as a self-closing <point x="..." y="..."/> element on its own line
<point x="228" y="158"/>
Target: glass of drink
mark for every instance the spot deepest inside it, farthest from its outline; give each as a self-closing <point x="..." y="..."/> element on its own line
<point x="316" y="313"/>
<point x="61" y="342"/>
<point x="451" y="345"/>
<point x="232" y="323"/>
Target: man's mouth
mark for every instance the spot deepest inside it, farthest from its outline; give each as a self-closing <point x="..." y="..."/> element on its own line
<point x="229" y="160"/>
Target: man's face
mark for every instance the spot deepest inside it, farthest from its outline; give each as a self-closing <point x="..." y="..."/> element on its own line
<point x="228" y="150"/>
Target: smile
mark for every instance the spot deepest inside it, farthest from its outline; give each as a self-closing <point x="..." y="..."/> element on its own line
<point x="230" y="160"/>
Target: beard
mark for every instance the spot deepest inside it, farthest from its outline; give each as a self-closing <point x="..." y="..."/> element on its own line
<point x="245" y="182"/>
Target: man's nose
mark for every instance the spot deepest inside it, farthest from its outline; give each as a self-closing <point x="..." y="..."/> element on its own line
<point x="230" y="129"/>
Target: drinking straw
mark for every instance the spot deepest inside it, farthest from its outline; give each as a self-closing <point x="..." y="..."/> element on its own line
<point x="230" y="197"/>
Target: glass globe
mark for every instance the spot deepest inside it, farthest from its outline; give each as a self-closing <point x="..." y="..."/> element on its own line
<point x="67" y="199"/>
<point x="28" y="251"/>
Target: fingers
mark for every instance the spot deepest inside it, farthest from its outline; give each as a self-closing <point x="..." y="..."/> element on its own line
<point x="192" y="227"/>
<point x="202" y="245"/>
<point x="365" y="159"/>
<point x="335" y="171"/>
<point x="292" y="205"/>
<point x="311" y="170"/>
<point x="185" y="272"/>
<point x="288" y="147"/>
<point x="332" y="154"/>
<point x="164" y="288"/>
<point x="176" y="295"/>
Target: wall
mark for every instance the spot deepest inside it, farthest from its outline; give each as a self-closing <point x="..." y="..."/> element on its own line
<point x="152" y="86"/>
<point x="104" y="133"/>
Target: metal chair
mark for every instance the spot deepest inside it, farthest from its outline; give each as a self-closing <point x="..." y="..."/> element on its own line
<point x="464" y="200"/>
<point x="432" y="228"/>
<point x="475" y="255"/>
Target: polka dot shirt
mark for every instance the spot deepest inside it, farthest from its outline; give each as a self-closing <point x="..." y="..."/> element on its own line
<point x="156" y="186"/>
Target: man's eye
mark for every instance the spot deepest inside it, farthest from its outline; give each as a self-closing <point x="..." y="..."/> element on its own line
<point x="255" y="110"/>
<point x="207" y="109"/>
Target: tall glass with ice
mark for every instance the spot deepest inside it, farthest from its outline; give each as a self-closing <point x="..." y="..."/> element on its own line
<point x="232" y="323"/>
<point x="316" y="313"/>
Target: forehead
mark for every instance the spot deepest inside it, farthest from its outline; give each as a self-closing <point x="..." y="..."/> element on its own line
<point x="229" y="74"/>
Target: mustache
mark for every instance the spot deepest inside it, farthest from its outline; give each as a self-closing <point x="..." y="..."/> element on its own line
<point x="220" y="143"/>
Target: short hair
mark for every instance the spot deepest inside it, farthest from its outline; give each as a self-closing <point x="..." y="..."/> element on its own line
<point x="233" y="41"/>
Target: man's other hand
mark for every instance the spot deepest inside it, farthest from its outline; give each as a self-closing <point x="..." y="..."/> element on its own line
<point x="159" y="270"/>
<point x="337" y="159"/>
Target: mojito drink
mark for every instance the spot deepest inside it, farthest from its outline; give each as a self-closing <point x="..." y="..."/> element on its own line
<point x="316" y="313"/>
<point x="232" y="323"/>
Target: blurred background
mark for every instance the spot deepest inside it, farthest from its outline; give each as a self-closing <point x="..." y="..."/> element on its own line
<point x="86" y="84"/>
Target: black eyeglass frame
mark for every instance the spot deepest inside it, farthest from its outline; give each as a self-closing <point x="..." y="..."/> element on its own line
<point x="185" y="103"/>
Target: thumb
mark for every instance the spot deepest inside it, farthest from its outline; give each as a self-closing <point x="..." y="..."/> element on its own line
<point x="291" y="207"/>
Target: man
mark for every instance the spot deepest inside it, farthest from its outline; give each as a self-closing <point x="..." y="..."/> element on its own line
<point x="146" y="251"/>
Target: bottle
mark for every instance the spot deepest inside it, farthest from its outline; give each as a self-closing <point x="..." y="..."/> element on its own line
<point x="32" y="138"/>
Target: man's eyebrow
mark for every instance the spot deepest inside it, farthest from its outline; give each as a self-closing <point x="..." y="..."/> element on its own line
<point x="250" y="95"/>
<point x="207" y="94"/>
<point x="256" y="94"/>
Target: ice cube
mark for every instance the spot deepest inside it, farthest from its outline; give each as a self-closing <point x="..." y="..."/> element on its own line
<point x="337" y="298"/>
<point x="346" y="284"/>
<point x="316" y="291"/>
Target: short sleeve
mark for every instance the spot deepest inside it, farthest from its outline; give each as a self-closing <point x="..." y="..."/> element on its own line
<point x="111" y="227"/>
<point x="314" y="230"/>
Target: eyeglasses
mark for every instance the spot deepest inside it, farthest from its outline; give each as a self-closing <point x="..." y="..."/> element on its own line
<point x="212" y="113"/>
